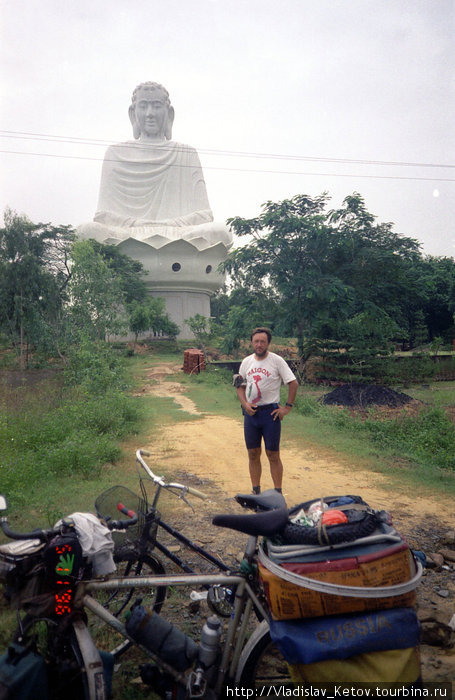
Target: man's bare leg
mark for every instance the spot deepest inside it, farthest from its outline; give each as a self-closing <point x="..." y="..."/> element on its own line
<point x="276" y="468"/>
<point x="254" y="464"/>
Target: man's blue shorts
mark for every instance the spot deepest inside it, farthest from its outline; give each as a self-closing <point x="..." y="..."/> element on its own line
<point x="262" y="425"/>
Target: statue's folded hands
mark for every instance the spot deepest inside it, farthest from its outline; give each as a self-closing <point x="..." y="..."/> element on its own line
<point x="152" y="181"/>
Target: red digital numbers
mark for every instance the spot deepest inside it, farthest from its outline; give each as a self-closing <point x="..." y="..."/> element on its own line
<point x="63" y="548"/>
<point x="63" y="604"/>
<point x="63" y="599"/>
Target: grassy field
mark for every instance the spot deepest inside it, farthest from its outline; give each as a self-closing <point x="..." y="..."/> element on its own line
<point x="60" y="449"/>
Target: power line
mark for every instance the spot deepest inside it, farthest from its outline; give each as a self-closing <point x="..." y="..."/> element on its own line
<point x="250" y="170"/>
<point x="242" y="154"/>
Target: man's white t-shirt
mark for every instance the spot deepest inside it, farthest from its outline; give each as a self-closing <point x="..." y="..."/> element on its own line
<point x="263" y="378"/>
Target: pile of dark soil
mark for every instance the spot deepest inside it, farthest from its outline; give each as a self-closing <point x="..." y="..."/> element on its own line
<point x="358" y="395"/>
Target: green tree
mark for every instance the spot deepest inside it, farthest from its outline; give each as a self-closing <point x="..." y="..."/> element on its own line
<point x="203" y="329"/>
<point x="327" y="267"/>
<point x="34" y="275"/>
<point x="380" y="265"/>
<point x="139" y="319"/>
<point x="150" y="315"/>
<point x="128" y="272"/>
<point x="437" y="277"/>
<point x="238" y="312"/>
<point x="287" y="255"/>
<point x="360" y="355"/>
<point x="97" y="307"/>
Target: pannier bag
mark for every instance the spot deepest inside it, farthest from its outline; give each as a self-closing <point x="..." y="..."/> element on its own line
<point x="396" y="666"/>
<point x="372" y="647"/>
<point x="22" y="675"/>
<point x="22" y="570"/>
<point x="312" y="640"/>
<point x="325" y="575"/>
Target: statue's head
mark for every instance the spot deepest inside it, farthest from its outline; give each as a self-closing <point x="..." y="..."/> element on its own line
<point x="151" y="112"/>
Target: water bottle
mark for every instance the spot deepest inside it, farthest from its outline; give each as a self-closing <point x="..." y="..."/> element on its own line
<point x="160" y="636"/>
<point x="210" y="646"/>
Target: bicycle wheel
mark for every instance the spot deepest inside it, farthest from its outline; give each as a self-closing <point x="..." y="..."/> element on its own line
<point x="60" y="649"/>
<point x="262" y="666"/>
<point x="117" y="601"/>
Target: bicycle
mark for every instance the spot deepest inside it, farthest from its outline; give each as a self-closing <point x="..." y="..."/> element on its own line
<point x="56" y="623"/>
<point x="55" y="620"/>
<point x="41" y="572"/>
<point x="135" y="548"/>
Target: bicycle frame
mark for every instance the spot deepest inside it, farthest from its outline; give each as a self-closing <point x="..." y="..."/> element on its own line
<point x="234" y="650"/>
<point x="149" y="544"/>
<point x="191" y="545"/>
<point x="245" y="599"/>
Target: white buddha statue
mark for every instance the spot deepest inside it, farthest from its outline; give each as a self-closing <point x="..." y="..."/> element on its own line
<point x="153" y="186"/>
<point x="153" y="205"/>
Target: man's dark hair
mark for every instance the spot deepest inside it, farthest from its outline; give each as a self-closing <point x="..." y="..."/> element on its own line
<point x="261" y="329"/>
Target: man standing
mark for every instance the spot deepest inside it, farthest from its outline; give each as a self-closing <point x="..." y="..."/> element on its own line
<point x="262" y="374"/>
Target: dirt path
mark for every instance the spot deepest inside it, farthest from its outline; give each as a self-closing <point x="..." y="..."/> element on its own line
<point x="212" y="450"/>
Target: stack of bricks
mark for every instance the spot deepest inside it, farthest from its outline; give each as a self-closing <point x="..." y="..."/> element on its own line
<point x="193" y="361"/>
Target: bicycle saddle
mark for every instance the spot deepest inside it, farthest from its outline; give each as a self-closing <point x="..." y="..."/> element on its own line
<point x="268" y="500"/>
<point x="267" y="524"/>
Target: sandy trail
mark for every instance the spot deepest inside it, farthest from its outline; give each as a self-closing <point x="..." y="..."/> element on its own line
<point x="213" y="447"/>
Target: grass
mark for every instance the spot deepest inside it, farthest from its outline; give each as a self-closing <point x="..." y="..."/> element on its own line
<point x="58" y="441"/>
<point x="60" y="448"/>
<point x="48" y="443"/>
<point x="423" y="445"/>
<point x="440" y="394"/>
<point x="212" y="391"/>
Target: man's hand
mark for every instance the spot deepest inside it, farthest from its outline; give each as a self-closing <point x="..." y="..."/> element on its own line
<point x="280" y="412"/>
<point x="250" y="408"/>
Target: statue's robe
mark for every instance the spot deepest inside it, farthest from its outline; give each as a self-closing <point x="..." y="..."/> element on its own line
<point x="152" y="184"/>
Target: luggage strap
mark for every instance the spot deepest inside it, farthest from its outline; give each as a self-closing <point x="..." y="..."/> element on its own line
<point x="323" y="537"/>
<point x="339" y="589"/>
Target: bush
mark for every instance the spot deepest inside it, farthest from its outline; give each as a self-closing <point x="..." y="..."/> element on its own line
<point x="309" y="406"/>
<point x="427" y="439"/>
<point x="95" y="368"/>
<point x="83" y="453"/>
<point x="40" y="442"/>
<point x="413" y="368"/>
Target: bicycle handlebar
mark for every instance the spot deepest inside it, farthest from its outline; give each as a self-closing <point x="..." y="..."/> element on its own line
<point x="42" y="535"/>
<point x="123" y="524"/>
<point x="159" y="480"/>
<point x="45" y="535"/>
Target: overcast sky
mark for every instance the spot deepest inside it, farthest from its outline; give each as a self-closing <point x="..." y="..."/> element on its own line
<point x="280" y="97"/>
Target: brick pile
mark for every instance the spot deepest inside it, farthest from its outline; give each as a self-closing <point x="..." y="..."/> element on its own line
<point x="193" y="361"/>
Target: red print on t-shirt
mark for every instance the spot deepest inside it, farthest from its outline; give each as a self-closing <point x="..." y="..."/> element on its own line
<point x="257" y="378"/>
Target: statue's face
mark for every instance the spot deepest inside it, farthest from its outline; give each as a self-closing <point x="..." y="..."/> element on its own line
<point x="151" y="113"/>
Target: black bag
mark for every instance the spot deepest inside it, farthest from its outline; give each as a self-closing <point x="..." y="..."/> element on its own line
<point x="362" y="521"/>
<point x="22" y="674"/>
<point x="25" y="580"/>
